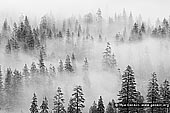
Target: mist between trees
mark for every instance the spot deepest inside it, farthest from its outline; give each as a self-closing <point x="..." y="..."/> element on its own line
<point x="64" y="66"/>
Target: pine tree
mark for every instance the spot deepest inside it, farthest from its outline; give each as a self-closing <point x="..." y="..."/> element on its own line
<point x="44" y="106"/>
<point x="143" y="30"/>
<point x="128" y="93"/>
<point x="33" y="69"/>
<point x="41" y="64"/>
<point x="140" y="99"/>
<point x="15" y="30"/>
<point x="8" y="47"/>
<point x="52" y="70"/>
<point x="34" y="106"/>
<point x="73" y="59"/>
<point x="64" y="27"/>
<point x="113" y="62"/>
<point x="59" y="102"/>
<point x="134" y="32"/>
<point x="68" y="67"/>
<point x="60" y="67"/>
<point x="93" y="108"/>
<point x="70" y="108"/>
<point x="153" y="95"/>
<point x="68" y="33"/>
<point x="85" y="65"/>
<point x="26" y="70"/>
<point x="15" y="45"/>
<point x="107" y="56"/>
<point x="100" y="107"/>
<point x="60" y="34"/>
<point x="78" y="99"/>
<point x="165" y="94"/>
<point x="8" y="79"/>
<point x="110" y="108"/>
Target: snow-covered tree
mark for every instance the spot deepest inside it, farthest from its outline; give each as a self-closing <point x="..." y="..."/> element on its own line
<point x="34" y="106"/>
<point x="61" y="66"/>
<point x="68" y="67"/>
<point x="110" y="109"/>
<point x="153" y="95"/>
<point x="44" y="106"/>
<point x="100" y="107"/>
<point x="26" y="70"/>
<point x="93" y="108"/>
<point x="128" y="92"/>
<point x="59" y="102"/>
<point x="78" y="99"/>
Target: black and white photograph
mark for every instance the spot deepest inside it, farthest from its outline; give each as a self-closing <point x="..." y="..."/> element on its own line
<point x="84" y="56"/>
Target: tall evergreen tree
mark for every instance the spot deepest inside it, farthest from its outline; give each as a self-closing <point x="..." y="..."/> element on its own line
<point x="93" y="108"/>
<point x="41" y="64"/>
<point x="165" y="94"/>
<point x="110" y="108"/>
<point x="33" y="69"/>
<point x="34" y="106"/>
<point x="71" y="108"/>
<point x="26" y="70"/>
<point x="61" y="66"/>
<point x="85" y="65"/>
<point x="78" y="99"/>
<point x="68" y="33"/>
<point x="59" y="102"/>
<point x="153" y="95"/>
<point x="68" y="67"/>
<point x="107" y="56"/>
<point x="128" y="92"/>
<point x="100" y="107"/>
<point x="8" y="47"/>
<point x="44" y="106"/>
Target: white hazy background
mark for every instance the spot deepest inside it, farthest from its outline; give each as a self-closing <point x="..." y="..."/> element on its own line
<point x="149" y="9"/>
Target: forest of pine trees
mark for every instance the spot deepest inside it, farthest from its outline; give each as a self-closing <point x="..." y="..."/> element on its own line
<point x="64" y="48"/>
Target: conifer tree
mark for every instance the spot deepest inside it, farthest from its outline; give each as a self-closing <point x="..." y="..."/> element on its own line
<point x="165" y="94"/>
<point x="60" y="67"/>
<point x="25" y="70"/>
<point x="68" y="33"/>
<point x="107" y="55"/>
<point x="93" y="108"/>
<point x="110" y="108"/>
<point x="71" y="108"/>
<point x="128" y="92"/>
<point x="33" y="69"/>
<point x="60" y="34"/>
<point x="100" y="107"/>
<point x="8" y="47"/>
<point x="153" y="95"/>
<point x="113" y="62"/>
<point x="68" y="67"/>
<point x="78" y="99"/>
<point x="34" y="106"/>
<point x="59" y="102"/>
<point x="41" y="64"/>
<point x="44" y="106"/>
<point x="143" y="30"/>
<point x="85" y="65"/>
